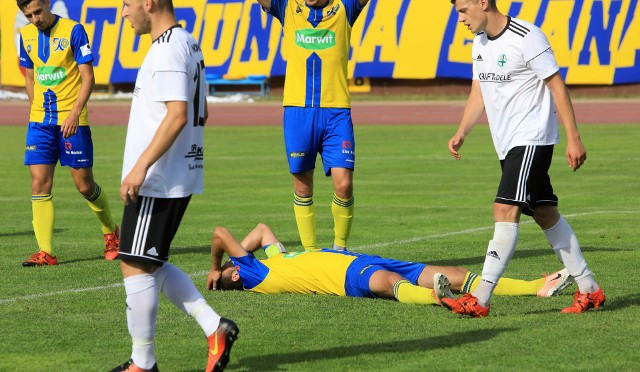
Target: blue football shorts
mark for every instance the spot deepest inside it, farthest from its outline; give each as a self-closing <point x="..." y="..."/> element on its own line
<point x="45" y="145"/>
<point x="359" y="273"/>
<point x="312" y="130"/>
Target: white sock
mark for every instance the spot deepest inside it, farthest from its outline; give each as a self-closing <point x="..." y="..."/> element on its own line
<point x="499" y="252"/>
<point x="142" y="309"/>
<point x="181" y="291"/>
<point x="565" y="245"/>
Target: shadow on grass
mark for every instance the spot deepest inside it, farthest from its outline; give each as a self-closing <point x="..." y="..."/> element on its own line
<point x="273" y="362"/>
<point x="28" y="233"/>
<point x="175" y="251"/>
<point x="612" y="304"/>
<point x="520" y="253"/>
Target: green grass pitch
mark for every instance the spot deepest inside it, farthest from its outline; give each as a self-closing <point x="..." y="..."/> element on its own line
<point x="413" y="202"/>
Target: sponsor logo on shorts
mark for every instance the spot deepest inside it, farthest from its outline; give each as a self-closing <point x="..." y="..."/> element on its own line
<point x="347" y="147"/>
<point x="31" y="148"/>
<point x="152" y="252"/>
<point x="68" y="149"/>
<point x="297" y="154"/>
<point x="365" y="269"/>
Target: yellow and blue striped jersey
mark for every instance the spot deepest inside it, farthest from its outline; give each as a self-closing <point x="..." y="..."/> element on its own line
<point x="316" y="48"/>
<point x="54" y="56"/>
<point x="309" y="272"/>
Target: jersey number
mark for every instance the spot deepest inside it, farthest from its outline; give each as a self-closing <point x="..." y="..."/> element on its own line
<point x="198" y="121"/>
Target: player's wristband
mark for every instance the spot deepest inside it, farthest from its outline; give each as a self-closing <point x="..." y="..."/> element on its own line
<point x="274" y="249"/>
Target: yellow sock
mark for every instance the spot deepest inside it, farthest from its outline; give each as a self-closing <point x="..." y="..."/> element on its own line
<point x="505" y="287"/>
<point x="342" y="210"/>
<point x="305" y="212"/>
<point x="408" y="293"/>
<point x="43" y="219"/>
<point x="100" y="206"/>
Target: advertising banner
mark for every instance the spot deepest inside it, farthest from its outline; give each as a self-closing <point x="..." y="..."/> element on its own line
<point x="594" y="41"/>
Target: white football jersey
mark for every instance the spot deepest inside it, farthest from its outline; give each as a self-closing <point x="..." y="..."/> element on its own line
<point x="511" y="68"/>
<point x="173" y="70"/>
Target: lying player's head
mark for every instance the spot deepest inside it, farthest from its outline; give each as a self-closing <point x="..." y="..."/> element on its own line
<point x="37" y="12"/>
<point x="230" y="280"/>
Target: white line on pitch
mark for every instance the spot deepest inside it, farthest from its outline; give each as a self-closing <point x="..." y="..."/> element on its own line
<point x="360" y="248"/>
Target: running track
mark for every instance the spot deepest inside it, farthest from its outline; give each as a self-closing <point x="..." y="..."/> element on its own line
<point x="611" y="111"/>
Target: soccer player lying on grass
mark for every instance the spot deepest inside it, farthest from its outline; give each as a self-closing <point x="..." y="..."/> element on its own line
<point x="343" y="273"/>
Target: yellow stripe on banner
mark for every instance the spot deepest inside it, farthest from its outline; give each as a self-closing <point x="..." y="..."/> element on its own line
<point x="10" y="23"/>
<point x="418" y="54"/>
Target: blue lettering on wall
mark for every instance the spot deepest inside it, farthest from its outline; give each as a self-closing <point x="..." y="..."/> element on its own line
<point x="600" y="33"/>
<point x="257" y="32"/>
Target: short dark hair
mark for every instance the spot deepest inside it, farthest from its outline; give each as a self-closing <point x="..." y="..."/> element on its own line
<point x="23" y="3"/>
<point x="492" y="3"/>
<point x="226" y="283"/>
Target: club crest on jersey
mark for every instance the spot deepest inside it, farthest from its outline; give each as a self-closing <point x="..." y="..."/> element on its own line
<point x="29" y="48"/>
<point x="502" y="60"/>
<point x="331" y="12"/>
<point x="60" y="43"/>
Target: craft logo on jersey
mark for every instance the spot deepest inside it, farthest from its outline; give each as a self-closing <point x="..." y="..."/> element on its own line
<point x="50" y="76"/>
<point x="60" y="43"/>
<point x="502" y="60"/>
<point x="315" y="39"/>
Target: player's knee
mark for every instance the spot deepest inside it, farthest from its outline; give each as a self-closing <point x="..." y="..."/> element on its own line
<point x="344" y="189"/>
<point x="546" y="217"/>
<point x="219" y="231"/>
<point x="85" y="189"/>
<point x="41" y="187"/>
